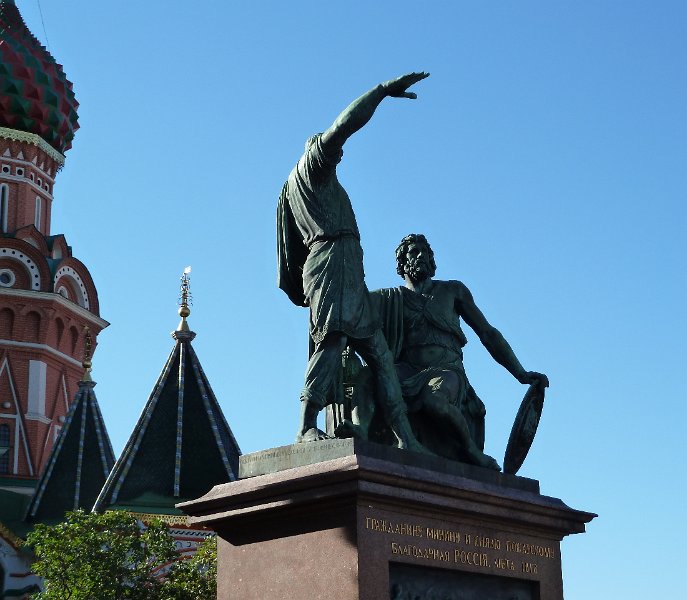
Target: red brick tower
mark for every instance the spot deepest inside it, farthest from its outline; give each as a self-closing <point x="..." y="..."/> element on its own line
<point x="47" y="297"/>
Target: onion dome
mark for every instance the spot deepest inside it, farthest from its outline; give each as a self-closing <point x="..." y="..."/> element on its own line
<point x="35" y="95"/>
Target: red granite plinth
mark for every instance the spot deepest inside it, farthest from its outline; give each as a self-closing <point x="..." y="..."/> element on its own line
<point x="371" y="529"/>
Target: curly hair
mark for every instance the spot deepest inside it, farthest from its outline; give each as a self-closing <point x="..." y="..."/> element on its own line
<point x="402" y="250"/>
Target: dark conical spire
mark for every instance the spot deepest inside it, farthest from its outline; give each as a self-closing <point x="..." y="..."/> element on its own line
<point x="181" y="446"/>
<point x="79" y="463"/>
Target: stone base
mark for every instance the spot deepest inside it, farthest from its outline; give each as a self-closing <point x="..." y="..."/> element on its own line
<point x="374" y="523"/>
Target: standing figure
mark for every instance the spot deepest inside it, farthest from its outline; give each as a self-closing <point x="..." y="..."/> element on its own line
<point x="320" y="264"/>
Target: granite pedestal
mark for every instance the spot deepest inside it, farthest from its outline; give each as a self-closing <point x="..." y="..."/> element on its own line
<point x="353" y="520"/>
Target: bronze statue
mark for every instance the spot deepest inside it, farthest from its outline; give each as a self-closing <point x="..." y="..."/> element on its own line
<point x="430" y="364"/>
<point x="421" y="322"/>
<point x="320" y="263"/>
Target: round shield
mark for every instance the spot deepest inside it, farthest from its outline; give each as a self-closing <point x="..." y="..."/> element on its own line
<point x="524" y="428"/>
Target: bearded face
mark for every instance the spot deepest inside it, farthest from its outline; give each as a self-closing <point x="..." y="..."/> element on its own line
<point x="417" y="265"/>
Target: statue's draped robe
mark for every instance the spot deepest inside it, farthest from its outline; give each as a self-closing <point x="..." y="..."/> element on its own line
<point x="319" y="257"/>
<point x="396" y="305"/>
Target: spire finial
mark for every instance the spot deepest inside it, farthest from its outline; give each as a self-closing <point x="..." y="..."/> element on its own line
<point x="87" y="363"/>
<point x="185" y="299"/>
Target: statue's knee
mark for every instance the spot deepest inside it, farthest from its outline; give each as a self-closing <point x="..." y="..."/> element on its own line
<point x="313" y="397"/>
<point x="436" y="405"/>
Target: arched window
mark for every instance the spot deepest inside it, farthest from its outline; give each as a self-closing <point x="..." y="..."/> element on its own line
<point x="5" y="449"/>
<point x="59" y="326"/>
<point x="74" y="339"/>
<point x="6" y="323"/>
<point x="4" y="206"/>
<point x="33" y="326"/>
<point x="37" y="218"/>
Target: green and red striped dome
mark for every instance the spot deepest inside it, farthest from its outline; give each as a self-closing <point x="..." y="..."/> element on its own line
<point x="35" y="95"/>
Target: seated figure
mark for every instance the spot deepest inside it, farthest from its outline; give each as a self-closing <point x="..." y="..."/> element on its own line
<point x="421" y="322"/>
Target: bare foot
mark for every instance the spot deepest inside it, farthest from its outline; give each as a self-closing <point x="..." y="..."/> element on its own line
<point x="486" y="461"/>
<point x="312" y="435"/>
<point x="415" y="446"/>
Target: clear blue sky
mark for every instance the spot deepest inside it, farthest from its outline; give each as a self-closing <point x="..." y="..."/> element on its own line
<point x="544" y="159"/>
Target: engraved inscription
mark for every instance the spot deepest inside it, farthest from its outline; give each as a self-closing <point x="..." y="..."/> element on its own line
<point x="287" y="451"/>
<point x="443" y="535"/>
<point x="383" y="526"/>
<point x="486" y="542"/>
<point x="420" y="552"/>
<point x="475" y="559"/>
<point x="543" y="551"/>
<point x="472" y="549"/>
<point x="529" y="568"/>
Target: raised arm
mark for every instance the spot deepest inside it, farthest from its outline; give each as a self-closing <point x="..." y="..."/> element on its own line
<point x="492" y="339"/>
<point x="360" y="111"/>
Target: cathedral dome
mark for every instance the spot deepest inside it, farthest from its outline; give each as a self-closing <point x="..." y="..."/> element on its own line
<point x="35" y="95"/>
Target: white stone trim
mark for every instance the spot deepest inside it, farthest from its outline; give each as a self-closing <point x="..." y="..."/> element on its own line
<point x="25" y="179"/>
<point x="16" y="563"/>
<point x="12" y="276"/>
<point x="28" y="165"/>
<point x="64" y="392"/>
<point x="68" y="304"/>
<point x="30" y="265"/>
<point x="37" y="212"/>
<point x="29" y="416"/>
<point x="19" y="432"/>
<point x="45" y="347"/>
<point x="82" y="294"/>
<point x="38" y="376"/>
<point x="31" y="138"/>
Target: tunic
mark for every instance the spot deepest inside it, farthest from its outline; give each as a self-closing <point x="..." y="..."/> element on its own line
<point x="412" y="319"/>
<point x="318" y="245"/>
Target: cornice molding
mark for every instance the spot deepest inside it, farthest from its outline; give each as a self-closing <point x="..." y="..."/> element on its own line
<point x="31" y="138"/>
<point x="52" y="297"/>
<point x="26" y="164"/>
<point x="35" y="346"/>
<point x="166" y="519"/>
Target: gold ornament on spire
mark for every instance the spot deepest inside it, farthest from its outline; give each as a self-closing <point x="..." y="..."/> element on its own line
<point x="87" y="364"/>
<point x="185" y="299"/>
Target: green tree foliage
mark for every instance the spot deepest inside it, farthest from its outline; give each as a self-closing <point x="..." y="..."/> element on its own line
<point x="110" y="556"/>
<point x="196" y="578"/>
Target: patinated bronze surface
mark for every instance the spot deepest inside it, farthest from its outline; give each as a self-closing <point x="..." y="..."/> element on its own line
<point x="422" y="325"/>
<point x="410" y="338"/>
<point x="320" y="264"/>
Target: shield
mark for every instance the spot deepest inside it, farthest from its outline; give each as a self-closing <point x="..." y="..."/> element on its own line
<point x="524" y="428"/>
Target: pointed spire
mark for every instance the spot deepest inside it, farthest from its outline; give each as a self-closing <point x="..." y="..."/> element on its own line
<point x="182" y="444"/>
<point x="185" y="300"/>
<point x="79" y="463"/>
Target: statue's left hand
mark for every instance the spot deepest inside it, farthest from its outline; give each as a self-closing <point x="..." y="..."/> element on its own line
<point x="396" y="88"/>
<point x="534" y="377"/>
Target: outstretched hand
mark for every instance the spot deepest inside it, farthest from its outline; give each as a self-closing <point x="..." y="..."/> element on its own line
<point x="396" y="88"/>
<point x="534" y="377"/>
